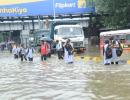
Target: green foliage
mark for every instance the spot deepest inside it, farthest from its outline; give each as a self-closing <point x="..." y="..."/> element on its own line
<point x="119" y="11"/>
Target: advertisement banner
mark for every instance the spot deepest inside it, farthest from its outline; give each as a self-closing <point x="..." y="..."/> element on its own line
<point x="45" y="7"/>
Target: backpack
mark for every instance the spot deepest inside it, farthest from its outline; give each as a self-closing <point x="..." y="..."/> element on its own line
<point x="20" y="52"/>
<point x="119" y="50"/>
<point x="69" y="48"/>
<point x="108" y="52"/>
<point x="28" y="50"/>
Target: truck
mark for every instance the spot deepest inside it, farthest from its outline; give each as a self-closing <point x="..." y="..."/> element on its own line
<point x="68" y="30"/>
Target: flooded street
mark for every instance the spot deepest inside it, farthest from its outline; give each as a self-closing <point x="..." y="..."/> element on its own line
<point x="55" y="80"/>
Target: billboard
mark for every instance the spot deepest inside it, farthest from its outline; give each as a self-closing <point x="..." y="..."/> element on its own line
<point x="45" y="7"/>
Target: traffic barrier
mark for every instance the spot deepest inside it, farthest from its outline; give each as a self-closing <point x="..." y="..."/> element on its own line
<point x="128" y="62"/>
<point x="97" y="59"/>
<point x="88" y="58"/>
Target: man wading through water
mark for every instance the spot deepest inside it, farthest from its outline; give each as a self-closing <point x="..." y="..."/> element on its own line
<point x="107" y="53"/>
<point x="44" y="50"/>
<point x="22" y="53"/>
<point x="30" y="53"/>
<point x="59" y="49"/>
<point x="68" y="52"/>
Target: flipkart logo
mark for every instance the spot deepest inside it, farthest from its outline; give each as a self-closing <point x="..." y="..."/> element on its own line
<point x="10" y="2"/>
<point x="82" y="3"/>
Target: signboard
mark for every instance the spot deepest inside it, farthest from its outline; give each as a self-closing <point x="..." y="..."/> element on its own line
<point x="45" y="7"/>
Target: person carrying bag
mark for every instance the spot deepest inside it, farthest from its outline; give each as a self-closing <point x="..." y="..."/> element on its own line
<point x="119" y="50"/>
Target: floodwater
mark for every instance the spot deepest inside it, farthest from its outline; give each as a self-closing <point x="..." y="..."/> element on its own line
<point x="55" y="80"/>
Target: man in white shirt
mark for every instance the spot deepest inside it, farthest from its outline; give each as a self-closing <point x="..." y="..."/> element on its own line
<point x="59" y="49"/>
<point x="30" y="53"/>
<point x="15" y="52"/>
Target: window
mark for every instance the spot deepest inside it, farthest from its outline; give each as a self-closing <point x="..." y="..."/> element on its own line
<point x="70" y="31"/>
<point x="128" y="37"/>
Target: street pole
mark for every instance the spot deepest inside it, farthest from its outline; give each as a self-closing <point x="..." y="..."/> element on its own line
<point x="39" y="22"/>
<point x="54" y="10"/>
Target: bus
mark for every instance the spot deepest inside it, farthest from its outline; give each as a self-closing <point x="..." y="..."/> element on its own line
<point x="122" y="35"/>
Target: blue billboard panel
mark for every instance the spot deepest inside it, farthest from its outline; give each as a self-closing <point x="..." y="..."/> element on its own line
<point x="74" y="6"/>
<point x="44" y="7"/>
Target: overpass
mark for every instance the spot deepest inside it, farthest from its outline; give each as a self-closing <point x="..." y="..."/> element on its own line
<point x="20" y="29"/>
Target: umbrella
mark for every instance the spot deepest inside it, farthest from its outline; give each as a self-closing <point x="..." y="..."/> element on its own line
<point x="11" y="42"/>
<point x="45" y="39"/>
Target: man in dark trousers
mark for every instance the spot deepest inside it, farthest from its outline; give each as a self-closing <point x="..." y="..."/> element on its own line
<point x="59" y="49"/>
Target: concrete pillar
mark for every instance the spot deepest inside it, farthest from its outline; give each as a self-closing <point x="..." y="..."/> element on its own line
<point x="24" y="35"/>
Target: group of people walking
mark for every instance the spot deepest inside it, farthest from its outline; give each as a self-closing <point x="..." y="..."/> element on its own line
<point x="6" y="46"/>
<point x="112" y="51"/>
<point x="65" y="51"/>
<point x="23" y="53"/>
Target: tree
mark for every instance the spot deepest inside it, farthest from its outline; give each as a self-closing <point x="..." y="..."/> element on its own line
<point x="118" y="10"/>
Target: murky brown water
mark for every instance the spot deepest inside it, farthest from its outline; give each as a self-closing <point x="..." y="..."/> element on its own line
<point x="55" y="80"/>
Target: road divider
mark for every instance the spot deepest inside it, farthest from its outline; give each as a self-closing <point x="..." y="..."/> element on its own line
<point x="128" y="62"/>
<point x="96" y="59"/>
<point x="89" y="58"/>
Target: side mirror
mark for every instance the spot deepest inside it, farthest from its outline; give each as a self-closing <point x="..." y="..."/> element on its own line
<point x="55" y="32"/>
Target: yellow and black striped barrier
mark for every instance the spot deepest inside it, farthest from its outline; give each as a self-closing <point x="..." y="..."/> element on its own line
<point x="89" y="58"/>
<point x="96" y="59"/>
<point x="128" y="62"/>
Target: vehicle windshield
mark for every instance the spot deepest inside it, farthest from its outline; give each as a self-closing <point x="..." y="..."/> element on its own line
<point x="70" y="31"/>
<point x="40" y="33"/>
<point x="46" y="34"/>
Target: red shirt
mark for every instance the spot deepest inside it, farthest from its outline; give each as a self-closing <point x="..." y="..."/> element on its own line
<point x="44" y="48"/>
